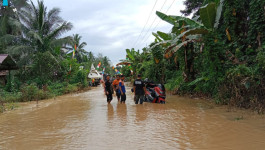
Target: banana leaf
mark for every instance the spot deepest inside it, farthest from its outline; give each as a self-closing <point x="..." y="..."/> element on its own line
<point x="130" y="55"/>
<point x="178" y="21"/>
<point x="186" y="21"/>
<point x="218" y="13"/>
<point x="165" y="17"/>
<point x="175" y="48"/>
<point x="208" y="15"/>
<point x="160" y="43"/>
<point x="157" y="37"/>
<point x="191" y="32"/>
<point x="197" y="81"/>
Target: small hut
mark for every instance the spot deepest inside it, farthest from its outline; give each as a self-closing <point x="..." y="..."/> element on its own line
<point x="6" y="64"/>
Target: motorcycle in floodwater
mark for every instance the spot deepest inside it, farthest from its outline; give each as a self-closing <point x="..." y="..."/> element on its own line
<point x="155" y="93"/>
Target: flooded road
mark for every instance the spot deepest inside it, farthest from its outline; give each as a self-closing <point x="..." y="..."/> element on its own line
<point x="85" y="121"/>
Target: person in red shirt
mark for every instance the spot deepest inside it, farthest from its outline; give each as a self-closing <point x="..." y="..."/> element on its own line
<point x="115" y="86"/>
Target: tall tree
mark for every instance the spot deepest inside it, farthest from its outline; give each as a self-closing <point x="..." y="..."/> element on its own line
<point x="9" y="22"/>
<point x="192" y="6"/>
<point x="41" y="31"/>
<point x="91" y="57"/>
<point x="80" y="52"/>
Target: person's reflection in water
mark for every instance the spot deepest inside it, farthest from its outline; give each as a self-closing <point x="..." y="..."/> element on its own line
<point x="110" y="112"/>
<point x="141" y="113"/>
<point x="122" y="113"/>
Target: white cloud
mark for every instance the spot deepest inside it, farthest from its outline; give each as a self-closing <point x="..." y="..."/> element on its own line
<point x="111" y="26"/>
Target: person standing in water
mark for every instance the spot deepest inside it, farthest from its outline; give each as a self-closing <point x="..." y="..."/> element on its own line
<point x="122" y="89"/>
<point x="108" y="91"/>
<point x="139" y="90"/>
<point x="115" y="86"/>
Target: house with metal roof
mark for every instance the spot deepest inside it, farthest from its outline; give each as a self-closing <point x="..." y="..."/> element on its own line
<point x="7" y="63"/>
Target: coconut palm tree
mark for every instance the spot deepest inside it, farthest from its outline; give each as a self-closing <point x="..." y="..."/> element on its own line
<point x="91" y="57"/>
<point x="9" y="22"/>
<point x="18" y="4"/>
<point x="80" y="52"/>
<point x="41" y="31"/>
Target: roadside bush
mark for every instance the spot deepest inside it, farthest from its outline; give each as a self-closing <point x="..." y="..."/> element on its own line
<point x="10" y="86"/>
<point x="70" y="88"/>
<point x="57" y="88"/>
<point x="175" y="83"/>
<point x="81" y="77"/>
<point x="10" y="97"/>
<point x="2" y="109"/>
<point x="29" y="92"/>
<point x="8" y="100"/>
<point x="243" y="88"/>
<point x="261" y="60"/>
<point x="41" y="95"/>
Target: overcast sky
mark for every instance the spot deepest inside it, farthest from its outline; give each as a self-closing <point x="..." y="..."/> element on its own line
<point x="111" y="26"/>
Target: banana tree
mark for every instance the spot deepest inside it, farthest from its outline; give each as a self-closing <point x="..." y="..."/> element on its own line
<point x="134" y="58"/>
<point x="188" y="30"/>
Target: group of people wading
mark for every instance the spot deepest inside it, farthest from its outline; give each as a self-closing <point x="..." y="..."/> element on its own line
<point x="118" y="86"/>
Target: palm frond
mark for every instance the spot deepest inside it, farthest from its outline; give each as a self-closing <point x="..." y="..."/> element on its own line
<point x="66" y="26"/>
<point x="15" y="25"/>
<point x="26" y="18"/>
<point x="41" y="14"/>
<point x="33" y="9"/>
<point x="62" y="41"/>
<point x="53" y="16"/>
<point x="19" y="50"/>
<point x="8" y="38"/>
<point x="82" y="45"/>
<point x="35" y="36"/>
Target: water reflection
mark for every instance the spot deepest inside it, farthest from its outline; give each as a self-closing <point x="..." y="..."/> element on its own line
<point x="122" y="113"/>
<point x="141" y="113"/>
<point x="110" y="112"/>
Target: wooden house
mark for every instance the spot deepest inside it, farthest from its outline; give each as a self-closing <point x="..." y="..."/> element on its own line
<point x="6" y="64"/>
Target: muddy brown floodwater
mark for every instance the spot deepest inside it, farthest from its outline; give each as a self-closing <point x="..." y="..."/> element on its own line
<point x="85" y="121"/>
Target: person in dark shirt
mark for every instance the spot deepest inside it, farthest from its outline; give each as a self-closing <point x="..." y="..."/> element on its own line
<point x="139" y="90"/>
<point x="108" y="90"/>
<point x="122" y="89"/>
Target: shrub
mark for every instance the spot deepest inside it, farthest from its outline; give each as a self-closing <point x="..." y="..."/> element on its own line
<point x="80" y="77"/>
<point x="175" y="83"/>
<point x="10" y="86"/>
<point x="29" y="92"/>
<point x="2" y="109"/>
<point x="243" y="88"/>
<point x="70" y="88"/>
<point x="41" y="95"/>
<point x="56" y="88"/>
<point x="9" y="97"/>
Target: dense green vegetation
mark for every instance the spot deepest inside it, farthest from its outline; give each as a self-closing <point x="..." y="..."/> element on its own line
<point x="219" y="53"/>
<point x="32" y="35"/>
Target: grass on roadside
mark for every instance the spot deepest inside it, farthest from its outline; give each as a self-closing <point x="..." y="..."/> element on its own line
<point x="9" y="100"/>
